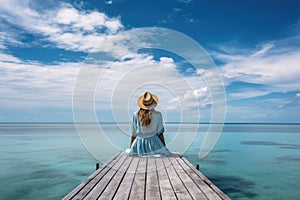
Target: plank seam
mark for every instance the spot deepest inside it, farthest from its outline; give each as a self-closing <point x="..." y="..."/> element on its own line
<point x="145" y="185"/>
<point x="156" y="170"/>
<point x="140" y="174"/>
<point x="180" y="178"/>
<point x="102" y="177"/>
<point x="122" y="177"/>
<point x="192" y="178"/>
<point x="91" y="177"/>
<point x="110" y="178"/>
<point x="209" y="183"/>
<point x="169" y="179"/>
<point x="133" y="179"/>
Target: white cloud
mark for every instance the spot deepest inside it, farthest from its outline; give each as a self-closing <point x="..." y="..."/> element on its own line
<point x="247" y="93"/>
<point x="263" y="50"/>
<point x="125" y="81"/>
<point x="25" y="84"/>
<point x="167" y="62"/>
<point x="69" y="15"/>
<point x="4" y="58"/>
<point x="273" y="66"/>
<point x="7" y="36"/>
<point x="291" y="102"/>
<point x="254" y="116"/>
<point x="109" y="2"/>
<point x="35" y="85"/>
<point x="65" y="26"/>
<point x="277" y="71"/>
<point x="193" y="99"/>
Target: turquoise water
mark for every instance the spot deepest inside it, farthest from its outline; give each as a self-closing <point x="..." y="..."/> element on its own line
<point x="255" y="162"/>
<point x="250" y="161"/>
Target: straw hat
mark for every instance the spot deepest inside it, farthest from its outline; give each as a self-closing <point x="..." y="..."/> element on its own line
<point x="147" y="101"/>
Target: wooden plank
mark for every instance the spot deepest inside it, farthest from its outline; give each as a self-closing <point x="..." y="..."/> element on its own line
<point x="175" y="154"/>
<point x="193" y="189"/>
<point x="208" y="182"/>
<point x="152" y="186"/>
<point x="165" y="186"/>
<point x="126" y="185"/>
<point x="194" y="175"/>
<point x="213" y="186"/>
<point x="96" y="191"/>
<point x="179" y="188"/>
<point x="113" y="185"/>
<point x="126" y="177"/>
<point x="92" y="176"/>
<point x="138" y="186"/>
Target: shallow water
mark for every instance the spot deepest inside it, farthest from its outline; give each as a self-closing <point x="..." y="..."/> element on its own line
<point x="46" y="161"/>
<point x="254" y="164"/>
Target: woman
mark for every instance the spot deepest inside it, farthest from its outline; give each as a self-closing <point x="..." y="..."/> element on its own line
<point x="147" y="128"/>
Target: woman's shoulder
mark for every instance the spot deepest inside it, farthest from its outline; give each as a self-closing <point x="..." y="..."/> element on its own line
<point x="156" y="113"/>
<point x="135" y="114"/>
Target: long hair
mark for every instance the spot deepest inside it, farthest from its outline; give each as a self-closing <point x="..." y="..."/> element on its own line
<point x="144" y="116"/>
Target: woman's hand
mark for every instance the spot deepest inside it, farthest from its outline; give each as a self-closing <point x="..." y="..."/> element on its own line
<point x="132" y="139"/>
<point x="161" y="137"/>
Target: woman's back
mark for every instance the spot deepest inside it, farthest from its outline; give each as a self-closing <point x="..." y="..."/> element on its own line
<point x="155" y="126"/>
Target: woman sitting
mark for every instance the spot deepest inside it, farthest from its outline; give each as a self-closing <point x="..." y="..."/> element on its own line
<point x="147" y="128"/>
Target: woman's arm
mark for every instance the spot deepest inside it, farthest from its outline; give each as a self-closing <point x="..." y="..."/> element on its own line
<point x="161" y="129"/>
<point x="133" y="128"/>
<point x="132" y="139"/>
<point x="161" y="137"/>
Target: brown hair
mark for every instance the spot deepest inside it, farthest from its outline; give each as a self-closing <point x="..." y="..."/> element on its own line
<point x="144" y="116"/>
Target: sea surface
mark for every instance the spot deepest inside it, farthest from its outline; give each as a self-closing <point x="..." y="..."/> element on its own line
<point x="249" y="161"/>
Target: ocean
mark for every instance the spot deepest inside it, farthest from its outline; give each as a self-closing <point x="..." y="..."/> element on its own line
<point x="249" y="161"/>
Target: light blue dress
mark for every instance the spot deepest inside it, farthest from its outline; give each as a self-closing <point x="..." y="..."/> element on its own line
<point x="147" y="143"/>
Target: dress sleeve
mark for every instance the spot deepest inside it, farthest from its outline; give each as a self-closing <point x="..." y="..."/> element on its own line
<point x="134" y="125"/>
<point x="160" y="126"/>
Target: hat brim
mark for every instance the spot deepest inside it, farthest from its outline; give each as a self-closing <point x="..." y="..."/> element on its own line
<point x="153" y="105"/>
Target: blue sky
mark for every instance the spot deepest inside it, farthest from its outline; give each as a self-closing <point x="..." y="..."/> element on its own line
<point x="255" y="45"/>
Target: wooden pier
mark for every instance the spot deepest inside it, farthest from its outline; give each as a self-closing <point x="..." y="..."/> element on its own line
<point x="139" y="178"/>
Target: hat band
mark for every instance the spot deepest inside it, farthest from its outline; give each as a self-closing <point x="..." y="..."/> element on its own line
<point x="147" y="103"/>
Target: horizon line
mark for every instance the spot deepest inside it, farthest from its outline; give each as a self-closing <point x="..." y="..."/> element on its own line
<point x="225" y="123"/>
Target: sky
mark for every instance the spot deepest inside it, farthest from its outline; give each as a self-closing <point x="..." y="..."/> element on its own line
<point x="254" y="44"/>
